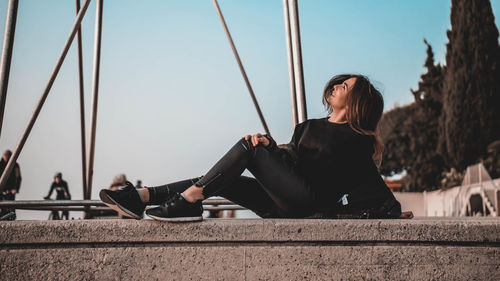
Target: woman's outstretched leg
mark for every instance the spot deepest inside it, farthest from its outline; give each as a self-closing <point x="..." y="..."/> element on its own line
<point x="244" y="191"/>
<point x="288" y="192"/>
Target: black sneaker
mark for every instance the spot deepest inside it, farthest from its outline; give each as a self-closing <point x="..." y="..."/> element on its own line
<point x="177" y="209"/>
<point x="125" y="201"/>
<point x="10" y="216"/>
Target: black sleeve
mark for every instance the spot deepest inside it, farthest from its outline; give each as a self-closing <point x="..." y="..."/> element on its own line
<point x="292" y="145"/>
<point x="52" y="186"/>
<point x="66" y="189"/>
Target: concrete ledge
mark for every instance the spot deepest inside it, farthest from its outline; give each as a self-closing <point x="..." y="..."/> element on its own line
<point x="253" y="249"/>
<point x="482" y="230"/>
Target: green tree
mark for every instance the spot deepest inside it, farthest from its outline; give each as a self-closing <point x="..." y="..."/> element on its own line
<point x="392" y="131"/>
<point x="454" y="121"/>
<point x="424" y="165"/>
<point x="410" y="133"/>
<point x="471" y="97"/>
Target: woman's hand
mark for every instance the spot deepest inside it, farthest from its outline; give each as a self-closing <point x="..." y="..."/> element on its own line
<point x="406" y="215"/>
<point x="257" y="138"/>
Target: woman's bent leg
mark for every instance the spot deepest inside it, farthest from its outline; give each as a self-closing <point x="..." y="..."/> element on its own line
<point x="247" y="192"/>
<point x="285" y="186"/>
<point x="287" y="189"/>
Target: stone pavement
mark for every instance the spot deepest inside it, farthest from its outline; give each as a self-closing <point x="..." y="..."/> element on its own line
<point x="252" y="249"/>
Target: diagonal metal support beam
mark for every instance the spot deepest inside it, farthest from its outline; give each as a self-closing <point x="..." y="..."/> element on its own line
<point x="82" y="102"/>
<point x="291" y="70"/>
<point x="95" y="95"/>
<point x="242" y="69"/>
<point x="8" y="45"/>
<point x="38" y="108"/>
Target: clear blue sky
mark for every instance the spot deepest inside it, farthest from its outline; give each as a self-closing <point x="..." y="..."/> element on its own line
<point x="172" y="100"/>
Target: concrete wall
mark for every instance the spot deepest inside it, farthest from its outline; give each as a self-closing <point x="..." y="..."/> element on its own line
<point x="412" y="201"/>
<point x="442" y="203"/>
<point x="252" y="249"/>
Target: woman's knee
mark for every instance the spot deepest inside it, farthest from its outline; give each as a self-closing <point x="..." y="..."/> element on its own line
<point x="246" y="144"/>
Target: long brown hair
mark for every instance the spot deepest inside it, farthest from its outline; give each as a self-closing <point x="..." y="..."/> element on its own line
<point x="365" y="106"/>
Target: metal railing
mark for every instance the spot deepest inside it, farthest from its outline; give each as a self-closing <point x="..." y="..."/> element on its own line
<point x="97" y="205"/>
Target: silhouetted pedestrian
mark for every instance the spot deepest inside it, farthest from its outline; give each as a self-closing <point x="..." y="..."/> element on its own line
<point x="138" y="184"/>
<point x="62" y="193"/>
<point x="119" y="181"/>
<point x="11" y="188"/>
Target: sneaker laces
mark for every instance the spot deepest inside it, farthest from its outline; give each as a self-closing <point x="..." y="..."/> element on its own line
<point x="128" y="185"/>
<point x="171" y="199"/>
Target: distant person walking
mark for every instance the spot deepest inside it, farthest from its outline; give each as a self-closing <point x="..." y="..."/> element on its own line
<point x="62" y="193"/>
<point x="118" y="182"/>
<point x="138" y="184"/>
<point x="13" y="184"/>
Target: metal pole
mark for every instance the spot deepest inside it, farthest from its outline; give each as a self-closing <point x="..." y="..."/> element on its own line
<point x="82" y="104"/>
<point x="242" y="69"/>
<point x="84" y="203"/>
<point x="291" y="72"/>
<point x="297" y="55"/>
<point x="8" y="44"/>
<point x="95" y="94"/>
<point x="20" y="144"/>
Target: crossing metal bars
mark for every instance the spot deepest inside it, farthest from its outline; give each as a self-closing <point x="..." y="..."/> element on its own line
<point x="294" y="54"/>
<point x="34" y="116"/>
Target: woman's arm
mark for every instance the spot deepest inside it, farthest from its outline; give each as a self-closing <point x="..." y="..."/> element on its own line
<point x="272" y="143"/>
<point x="50" y="191"/>
<point x="406" y="215"/>
<point x="257" y="138"/>
<point x="292" y="145"/>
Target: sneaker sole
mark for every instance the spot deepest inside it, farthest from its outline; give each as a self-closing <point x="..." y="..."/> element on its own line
<point x="179" y="219"/>
<point x="108" y="201"/>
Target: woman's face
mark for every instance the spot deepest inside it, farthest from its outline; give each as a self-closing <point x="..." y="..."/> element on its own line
<point x="338" y="98"/>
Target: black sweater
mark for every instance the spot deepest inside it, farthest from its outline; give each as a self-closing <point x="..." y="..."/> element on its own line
<point x="62" y="190"/>
<point x="335" y="160"/>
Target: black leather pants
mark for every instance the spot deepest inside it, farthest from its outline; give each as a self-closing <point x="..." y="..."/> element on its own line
<point x="276" y="190"/>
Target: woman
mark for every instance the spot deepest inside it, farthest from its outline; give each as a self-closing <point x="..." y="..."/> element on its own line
<point x="329" y="169"/>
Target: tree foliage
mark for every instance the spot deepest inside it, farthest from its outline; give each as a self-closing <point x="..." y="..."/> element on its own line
<point x="455" y="114"/>
<point x="396" y="141"/>
<point x="471" y="86"/>
<point x="410" y="133"/>
<point x="425" y="164"/>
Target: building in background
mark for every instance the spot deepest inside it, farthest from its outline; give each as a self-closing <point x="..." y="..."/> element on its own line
<point x="478" y="195"/>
